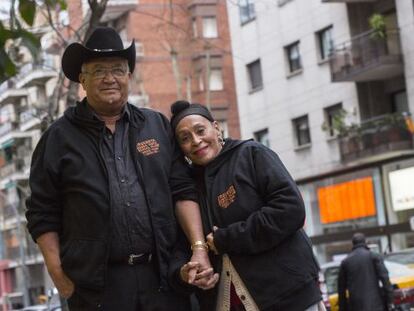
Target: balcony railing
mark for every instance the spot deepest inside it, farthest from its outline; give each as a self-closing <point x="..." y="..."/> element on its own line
<point x="8" y="170"/>
<point x="18" y="165"/>
<point x="367" y="58"/>
<point x="9" y="92"/>
<point x="116" y="8"/>
<point x="30" y="118"/>
<point x="376" y="137"/>
<point x="10" y="212"/>
<point x="36" y="73"/>
<point x="6" y="128"/>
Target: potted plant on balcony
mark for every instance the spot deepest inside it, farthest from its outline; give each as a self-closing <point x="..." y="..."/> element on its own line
<point x="378" y="26"/>
<point x="339" y="127"/>
<point x="349" y="134"/>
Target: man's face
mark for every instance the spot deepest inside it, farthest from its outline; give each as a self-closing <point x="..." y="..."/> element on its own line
<point x="106" y="81"/>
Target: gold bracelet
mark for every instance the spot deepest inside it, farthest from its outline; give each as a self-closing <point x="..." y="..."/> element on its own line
<point x="199" y="245"/>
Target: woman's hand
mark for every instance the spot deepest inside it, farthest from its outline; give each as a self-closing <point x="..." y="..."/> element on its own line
<point x="210" y="241"/>
<point x="204" y="279"/>
<point x="188" y="271"/>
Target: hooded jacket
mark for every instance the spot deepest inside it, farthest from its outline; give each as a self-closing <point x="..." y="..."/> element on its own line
<point x="70" y="189"/>
<point x="249" y="195"/>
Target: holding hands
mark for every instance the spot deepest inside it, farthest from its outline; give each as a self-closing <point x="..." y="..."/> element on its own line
<point x="198" y="270"/>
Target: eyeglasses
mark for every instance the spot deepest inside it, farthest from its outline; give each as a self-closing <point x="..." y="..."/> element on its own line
<point x="101" y="73"/>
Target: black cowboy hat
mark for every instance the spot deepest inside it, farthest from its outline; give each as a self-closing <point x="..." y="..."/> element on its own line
<point x="103" y="42"/>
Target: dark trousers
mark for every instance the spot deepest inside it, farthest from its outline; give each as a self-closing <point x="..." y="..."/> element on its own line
<point x="130" y="288"/>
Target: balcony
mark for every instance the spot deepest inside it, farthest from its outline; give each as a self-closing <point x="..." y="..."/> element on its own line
<point x="366" y="58"/>
<point x="8" y="170"/>
<point x="116" y="8"/>
<point x="16" y="170"/>
<point x="9" y="132"/>
<point x="35" y="74"/>
<point x="379" y="137"/>
<point x="9" y="93"/>
<point x="30" y="119"/>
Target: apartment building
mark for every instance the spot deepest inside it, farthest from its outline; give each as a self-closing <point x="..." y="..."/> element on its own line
<point x="183" y="52"/>
<point x="329" y="85"/>
<point x="24" y="104"/>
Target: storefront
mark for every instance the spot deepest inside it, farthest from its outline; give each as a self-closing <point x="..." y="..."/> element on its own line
<point x="377" y="199"/>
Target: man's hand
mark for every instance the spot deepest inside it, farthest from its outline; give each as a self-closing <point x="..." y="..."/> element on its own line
<point x="63" y="284"/>
<point x="49" y="246"/>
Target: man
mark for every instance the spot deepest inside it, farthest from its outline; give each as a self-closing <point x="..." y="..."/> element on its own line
<point x="103" y="181"/>
<point x="360" y="274"/>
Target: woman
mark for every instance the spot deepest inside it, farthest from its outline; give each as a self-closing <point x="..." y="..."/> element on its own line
<point x="253" y="214"/>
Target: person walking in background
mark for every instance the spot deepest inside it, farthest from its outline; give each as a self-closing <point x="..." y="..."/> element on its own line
<point x="253" y="214"/>
<point x="360" y="275"/>
<point x="104" y="179"/>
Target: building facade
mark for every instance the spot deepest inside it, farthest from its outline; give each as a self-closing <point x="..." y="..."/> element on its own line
<point x="24" y="108"/>
<point x="329" y="85"/>
<point x="183" y="52"/>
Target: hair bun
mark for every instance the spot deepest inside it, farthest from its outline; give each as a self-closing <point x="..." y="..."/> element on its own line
<point x="179" y="106"/>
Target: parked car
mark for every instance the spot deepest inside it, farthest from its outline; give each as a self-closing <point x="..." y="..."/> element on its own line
<point x="405" y="257"/>
<point x="401" y="277"/>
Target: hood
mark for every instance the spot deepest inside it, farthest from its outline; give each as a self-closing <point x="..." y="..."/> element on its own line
<point x="82" y="116"/>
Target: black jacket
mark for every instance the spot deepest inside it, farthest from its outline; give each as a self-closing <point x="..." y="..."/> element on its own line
<point x="257" y="206"/>
<point x="360" y="273"/>
<point x="70" y="190"/>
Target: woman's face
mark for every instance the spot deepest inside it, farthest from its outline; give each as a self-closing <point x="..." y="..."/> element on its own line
<point x="198" y="139"/>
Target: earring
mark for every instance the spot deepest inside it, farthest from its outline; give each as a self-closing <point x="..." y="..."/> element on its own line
<point x="221" y="140"/>
<point x="187" y="159"/>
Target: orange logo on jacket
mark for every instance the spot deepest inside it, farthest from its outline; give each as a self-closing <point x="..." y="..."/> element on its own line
<point x="226" y="198"/>
<point x="148" y="147"/>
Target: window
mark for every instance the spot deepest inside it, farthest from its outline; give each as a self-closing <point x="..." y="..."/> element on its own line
<point x="224" y="128"/>
<point x="333" y="115"/>
<point x="246" y="10"/>
<point x="293" y="57"/>
<point x="262" y="137"/>
<point x="400" y="102"/>
<point x="200" y="81"/>
<point x="210" y="27"/>
<point x="325" y="42"/>
<point x="63" y="18"/>
<point x="301" y="127"/>
<point x="139" y="49"/>
<point x="216" y="80"/>
<point x="255" y="75"/>
<point x="194" y="27"/>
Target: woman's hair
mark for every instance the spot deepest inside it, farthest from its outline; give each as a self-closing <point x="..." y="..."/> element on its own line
<point x="182" y="108"/>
